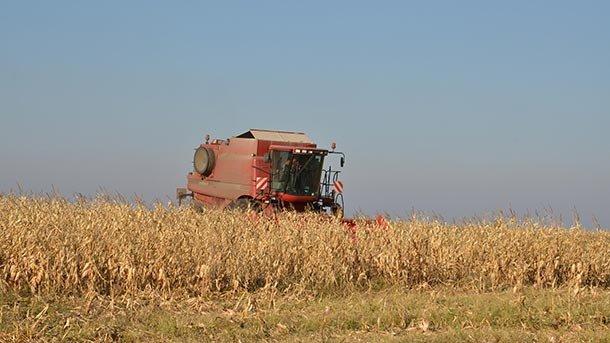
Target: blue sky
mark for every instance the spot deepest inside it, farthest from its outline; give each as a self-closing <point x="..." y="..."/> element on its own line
<point x="457" y="108"/>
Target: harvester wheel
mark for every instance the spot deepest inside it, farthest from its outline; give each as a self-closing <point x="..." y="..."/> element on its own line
<point x="245" y="204"/>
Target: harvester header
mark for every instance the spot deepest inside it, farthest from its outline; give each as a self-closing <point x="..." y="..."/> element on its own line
<point x="264" y="169"/>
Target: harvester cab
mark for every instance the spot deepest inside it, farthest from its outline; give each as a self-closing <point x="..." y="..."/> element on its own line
<point x="263" y="169"/>
<point x="298" y="176"/>
<point x="296" y="172"/>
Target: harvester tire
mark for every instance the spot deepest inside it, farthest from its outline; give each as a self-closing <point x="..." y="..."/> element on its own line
<point x="245" y="204"/>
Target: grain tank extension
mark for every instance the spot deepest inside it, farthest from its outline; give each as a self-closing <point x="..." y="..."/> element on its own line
<point x="265" y="170"/>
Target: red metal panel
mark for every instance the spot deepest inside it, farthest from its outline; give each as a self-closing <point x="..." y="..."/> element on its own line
<point x="260" y="169"/>
<point x="296" y="198"/>
<point x="234" y="161"/>
<point x="232" y="175"/>
<point x="219" y="189"/>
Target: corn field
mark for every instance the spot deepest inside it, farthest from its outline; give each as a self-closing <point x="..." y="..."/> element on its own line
<point x="51" y="246"/>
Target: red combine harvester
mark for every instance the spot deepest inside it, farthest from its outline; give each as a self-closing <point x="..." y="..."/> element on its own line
<point x="265" y="170"/>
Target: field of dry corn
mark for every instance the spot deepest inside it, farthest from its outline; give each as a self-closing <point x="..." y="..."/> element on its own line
<point x="104" y="249"/>
<point x="56" y="246"/>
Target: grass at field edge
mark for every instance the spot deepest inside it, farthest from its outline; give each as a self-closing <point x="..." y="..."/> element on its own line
<point x="547" y="315"/>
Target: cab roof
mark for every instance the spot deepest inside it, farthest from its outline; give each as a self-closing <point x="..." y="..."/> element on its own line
<point x="276" y="136"/>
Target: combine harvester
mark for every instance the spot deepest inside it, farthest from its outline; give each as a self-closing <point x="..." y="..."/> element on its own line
<point x="265" y="171"/>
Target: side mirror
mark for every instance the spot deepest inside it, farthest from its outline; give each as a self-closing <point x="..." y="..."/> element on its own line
<point x="342" y="161"/>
